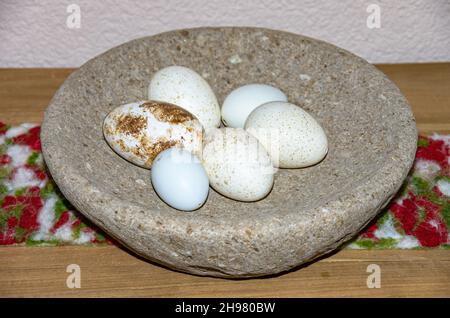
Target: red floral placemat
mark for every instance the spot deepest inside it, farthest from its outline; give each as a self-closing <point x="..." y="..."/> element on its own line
<point x="33" y="211"/>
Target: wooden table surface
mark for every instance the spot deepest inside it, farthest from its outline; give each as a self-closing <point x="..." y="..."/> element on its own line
<point x="111" y="271"/>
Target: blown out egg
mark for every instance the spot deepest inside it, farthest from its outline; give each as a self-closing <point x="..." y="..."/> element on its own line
<point x="243" y="100"/>
<point x="139" y="131"/>
<point x="182" y="86"/>
<point x="179" y="179"/>
<point x="237" y="165"/>
<point x="292" y="136"/>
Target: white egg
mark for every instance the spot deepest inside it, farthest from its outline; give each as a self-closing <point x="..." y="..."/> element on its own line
<point x="243" y="100"/>
<point x="293" y="137"/>
<point x="237" y="165"/>
<point x="183" y="87"/>
<point x="179" y="179"/>
<point x="140" y="131"/>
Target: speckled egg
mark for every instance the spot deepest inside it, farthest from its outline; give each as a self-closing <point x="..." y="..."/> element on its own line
<point x="292" y="136"/>
<point x="139" y="131"/>
<point x="237" y="165"/>
<point x="184" y="87"/>
<point x="243" y="100"/>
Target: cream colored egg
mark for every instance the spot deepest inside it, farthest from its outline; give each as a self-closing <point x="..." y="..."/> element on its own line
<point x="139" y="131"/>
<point x="183" y="87"/>
<point x="293" y="137"/>
<point x="240" y="102"/>
<point x="237" y="165"/>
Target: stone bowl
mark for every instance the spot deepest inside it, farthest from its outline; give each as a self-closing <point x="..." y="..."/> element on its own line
<point x="370" y="127"/>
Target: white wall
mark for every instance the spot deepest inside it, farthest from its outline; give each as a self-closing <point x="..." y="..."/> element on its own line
<point x="35" y="34"/>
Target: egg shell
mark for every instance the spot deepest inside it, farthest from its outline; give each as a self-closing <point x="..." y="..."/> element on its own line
<point x="182" y="86"/>
<point x="243" y="100"/>
<point x="292" y="136"/>
<point x="237" y="165"/>
<point x="179" y="179"/>
<point x="140" y="131"/>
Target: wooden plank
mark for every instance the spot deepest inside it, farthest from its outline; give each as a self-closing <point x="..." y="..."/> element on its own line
<point x="108" y="271"/>
<point x="111" y="271"/>
<point x="25" y="93"/>
<point x="427" y="88"/>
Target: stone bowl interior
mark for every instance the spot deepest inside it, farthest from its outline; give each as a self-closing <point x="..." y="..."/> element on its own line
<point x="310" y="211"/>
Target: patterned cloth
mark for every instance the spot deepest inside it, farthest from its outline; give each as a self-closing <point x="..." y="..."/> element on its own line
<point x="33" y="211"/>
<point x="419" y="216"/>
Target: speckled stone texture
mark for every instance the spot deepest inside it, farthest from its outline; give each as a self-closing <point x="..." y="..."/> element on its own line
<point x="370" y="128"/>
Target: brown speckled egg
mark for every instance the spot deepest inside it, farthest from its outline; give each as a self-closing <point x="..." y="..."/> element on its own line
<point x="139" y="131"/>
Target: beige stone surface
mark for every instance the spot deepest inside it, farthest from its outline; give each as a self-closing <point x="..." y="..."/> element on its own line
<point x="370" y="128"/>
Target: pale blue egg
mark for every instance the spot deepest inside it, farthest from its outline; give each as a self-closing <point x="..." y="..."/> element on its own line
<point x="179" y="179"/>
